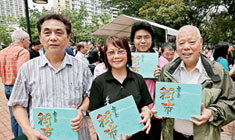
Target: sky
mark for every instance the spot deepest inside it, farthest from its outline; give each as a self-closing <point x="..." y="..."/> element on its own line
<point x="40" y="6"/>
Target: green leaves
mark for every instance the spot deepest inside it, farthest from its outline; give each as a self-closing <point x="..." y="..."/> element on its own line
<point x="5" y="30"/>
<point x="215" y="19"/>
<point x="34" y="15"/>
<point x="80" y="30"/>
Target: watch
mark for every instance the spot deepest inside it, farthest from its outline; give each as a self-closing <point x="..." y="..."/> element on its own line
<point x="213" y="115"/>
<point x="83" y="112"/>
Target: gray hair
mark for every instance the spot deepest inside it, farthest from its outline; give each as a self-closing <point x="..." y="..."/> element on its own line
<point x="19" y="34"/>
<point x="187" y="26"/>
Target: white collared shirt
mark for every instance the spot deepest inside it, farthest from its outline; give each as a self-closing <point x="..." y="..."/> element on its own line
<point x="82" y="57"/>
<point x="195" y="76"/>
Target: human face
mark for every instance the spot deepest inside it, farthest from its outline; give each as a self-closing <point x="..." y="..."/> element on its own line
<point x="189" y="46"/>
<point x="206" y="51"/>
<point x="54" y="36"/>
<point x="25" y="42"/>
<point x="37" y="47"/>
<point x="168" y="54"/>
<point x="142" y="40"/>
<point x="117" y="57"/>
<point x="85" y="49"/>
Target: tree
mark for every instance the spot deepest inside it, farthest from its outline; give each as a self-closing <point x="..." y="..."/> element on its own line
<point x="215" y="19"/>
<point x="171" y="13"/>
<point x="97" y="22"/>
<point x="77" y="19"/>
<point x="5" y="30"/>
<point x="168" y="13"/>
<point x="127" y="7"/>
<point x="34" y="15"/>
<point x="80" y="31"/>
<point x="221" y="28"/>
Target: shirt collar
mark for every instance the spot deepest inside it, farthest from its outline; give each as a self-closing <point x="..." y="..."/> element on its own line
<point x="81" y="53"/>
<point x="66" y="61"/>
<point x="16" y="44"/>
<point x="198" y="67"/>
<point x="109" y="75"/>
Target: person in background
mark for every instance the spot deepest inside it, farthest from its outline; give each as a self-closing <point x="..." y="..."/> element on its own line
<point x="74" y="48"/>
<point x="142" y="37"/>
<point x="11" y="59"/>
<point x="42" y="50"/>
<point x="171" y="39"/>
<point x="3" y="46"/>
<point x="218" y="93"/>
<point x="54" y="80"/>
<point x="220" y="54"/>
<point x="82" y="48"/>
<point x="92" y="54"/>
<point x="100" y="54"/>
<point x="34" y="50"/>
<point x="69" y="50"/>
<point x="231" y="56"/>
<point x="119" y="82"/>
<point x="207" y="52"/>
<point x="168" y="51"/>
<point x="99" y="69"/>
<point x="232" y="71"/>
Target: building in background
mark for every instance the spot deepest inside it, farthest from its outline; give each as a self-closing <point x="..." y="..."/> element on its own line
<point x="92" y="6"/>
<point x="12" y="8"/>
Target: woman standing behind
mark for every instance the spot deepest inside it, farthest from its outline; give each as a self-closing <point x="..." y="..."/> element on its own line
<point x="142" y="37"/>
<point x="119" y="82"/>
<point x="220" y="54"/>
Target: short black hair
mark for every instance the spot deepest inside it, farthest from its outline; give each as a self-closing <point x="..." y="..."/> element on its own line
<point x="221" y="50"/>
<point x="168" y="45"/>
<point x="36" y="42"/>
<point x="139" y="25"/>
<point x="55" y="16"/>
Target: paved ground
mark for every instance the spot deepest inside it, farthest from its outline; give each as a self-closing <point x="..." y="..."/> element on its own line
<point x="5" y="125"/>
<point x="6" y="134"/>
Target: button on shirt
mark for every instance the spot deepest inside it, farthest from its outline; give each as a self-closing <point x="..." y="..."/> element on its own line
<point x="106" y="86"/>
<point x="43" y="86"/>
<point x="195" y="76"/>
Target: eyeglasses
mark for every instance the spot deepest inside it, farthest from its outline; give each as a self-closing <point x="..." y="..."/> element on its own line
<point x="146" y="37"/>
<point x="119" y="52"/>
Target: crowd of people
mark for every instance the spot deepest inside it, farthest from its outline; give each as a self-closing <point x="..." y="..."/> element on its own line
<point x="61" y="75"/>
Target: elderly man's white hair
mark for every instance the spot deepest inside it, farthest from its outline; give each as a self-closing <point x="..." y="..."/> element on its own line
<point x="19" y="34"/>
<point x="189" y="26"/>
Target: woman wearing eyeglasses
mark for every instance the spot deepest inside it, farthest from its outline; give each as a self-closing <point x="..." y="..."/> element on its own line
<point x="142" y="37"/>
<point x="119" y="82"/>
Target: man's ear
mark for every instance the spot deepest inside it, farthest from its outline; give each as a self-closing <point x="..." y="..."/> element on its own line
<point x="201" y="43"/>
<point x="22" y="40"/>
<point x="40" y="38"/>
<point x="68" y="36"/>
